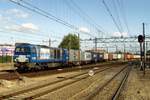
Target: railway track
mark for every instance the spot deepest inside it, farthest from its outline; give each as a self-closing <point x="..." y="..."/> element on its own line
<point x="96" y="94"/>
<point x="11" y="75"/>
<point x="124" y="79"/>
<point x="41" y="89"/>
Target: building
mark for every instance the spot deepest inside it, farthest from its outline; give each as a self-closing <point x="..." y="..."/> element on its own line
<point x="6" y="49"/>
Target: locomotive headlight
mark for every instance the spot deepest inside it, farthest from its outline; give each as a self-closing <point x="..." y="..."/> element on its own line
<point x="22" y="58"/>
<point x="15" y="60"/>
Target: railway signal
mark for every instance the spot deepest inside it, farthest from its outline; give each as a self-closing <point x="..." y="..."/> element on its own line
<point x="140" y="38"/>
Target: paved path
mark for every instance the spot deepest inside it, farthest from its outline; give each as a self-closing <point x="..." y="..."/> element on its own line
<point x="138" y="86"/>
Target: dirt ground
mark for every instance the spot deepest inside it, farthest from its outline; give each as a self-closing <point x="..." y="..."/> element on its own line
<point x="137" y="86"/>
<point x="16" y="84"/>
<point x="6" y="66"/>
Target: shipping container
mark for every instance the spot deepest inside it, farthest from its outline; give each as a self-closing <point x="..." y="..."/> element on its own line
<point x="82" y="56"/>
<point x="105" y="56"/>
<point x="128" y="56"/>
<point x="122" y="57"/>
<point x="136" y="56"/>
<point x="125" y="56"/>
<point x="131" y="56"/>
<point x="101" y="56"/>
<point x="86" y="57"/>
<point x="95" y="57"/>
<point x="110" y="56"/>
<point x="74" y="55"/>
<point x="114" y="56"/>
<point x="119" y="56"/>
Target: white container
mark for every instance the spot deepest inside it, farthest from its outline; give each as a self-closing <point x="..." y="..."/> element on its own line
<point x="114" y="56"/>
<point x="74" y="55"/>
<point x="119" y="56"/>
<point x="87" y="56"/>
<point x="136" y="56"/>
<point x="105" y="56"/>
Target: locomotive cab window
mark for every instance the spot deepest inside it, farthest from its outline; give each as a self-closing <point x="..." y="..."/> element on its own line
<point x="22" y="50"/>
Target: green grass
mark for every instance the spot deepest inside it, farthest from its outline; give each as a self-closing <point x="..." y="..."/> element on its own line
<point x="5" y="59"/>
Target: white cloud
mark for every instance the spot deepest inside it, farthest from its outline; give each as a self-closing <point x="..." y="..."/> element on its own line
<point x="118" y="34"/>
<point x="30" y="26"/>
<point x="17" y="13"/>
<point x="7" y="23"/>
<point x="84" y="29"/>
<point x="25" y="28"/>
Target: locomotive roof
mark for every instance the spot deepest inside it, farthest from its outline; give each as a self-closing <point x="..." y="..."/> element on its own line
<point x="18" y="44"/>
<point x="44" y="46"/>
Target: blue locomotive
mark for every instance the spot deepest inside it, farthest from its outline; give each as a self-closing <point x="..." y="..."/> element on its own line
<point x="29" y="56"/>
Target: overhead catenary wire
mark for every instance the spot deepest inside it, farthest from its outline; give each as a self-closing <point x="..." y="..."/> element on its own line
<point x="123" y="13"/>
<point x="117" y="14"/>
<point x="83" y="15"/>
<point x="46" y="14"/>
<point x="72" y="7"/>
<point x="111" y="15"/>
<point x="76" y="28"/>
<point x="28" y="31"/>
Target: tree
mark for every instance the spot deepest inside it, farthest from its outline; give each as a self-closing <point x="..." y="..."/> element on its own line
<point x="118" y="52"/>
<point x="148" y="52"/>
<point x="71" y="41"/>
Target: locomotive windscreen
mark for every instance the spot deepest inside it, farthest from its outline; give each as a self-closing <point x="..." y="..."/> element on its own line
<point x="24" y="50"/>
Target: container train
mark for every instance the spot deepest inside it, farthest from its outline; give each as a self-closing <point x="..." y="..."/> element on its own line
<point x="29" y="56"/>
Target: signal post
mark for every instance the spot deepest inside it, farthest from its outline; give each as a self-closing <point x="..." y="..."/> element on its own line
<point x="142" y="63"/>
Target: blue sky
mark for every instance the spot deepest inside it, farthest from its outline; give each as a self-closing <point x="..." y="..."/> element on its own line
<point x="35" y="28"/>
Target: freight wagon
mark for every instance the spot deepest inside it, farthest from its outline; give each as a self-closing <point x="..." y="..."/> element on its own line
<point x="96" y="57"/>
<point x="74" y="57"/>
